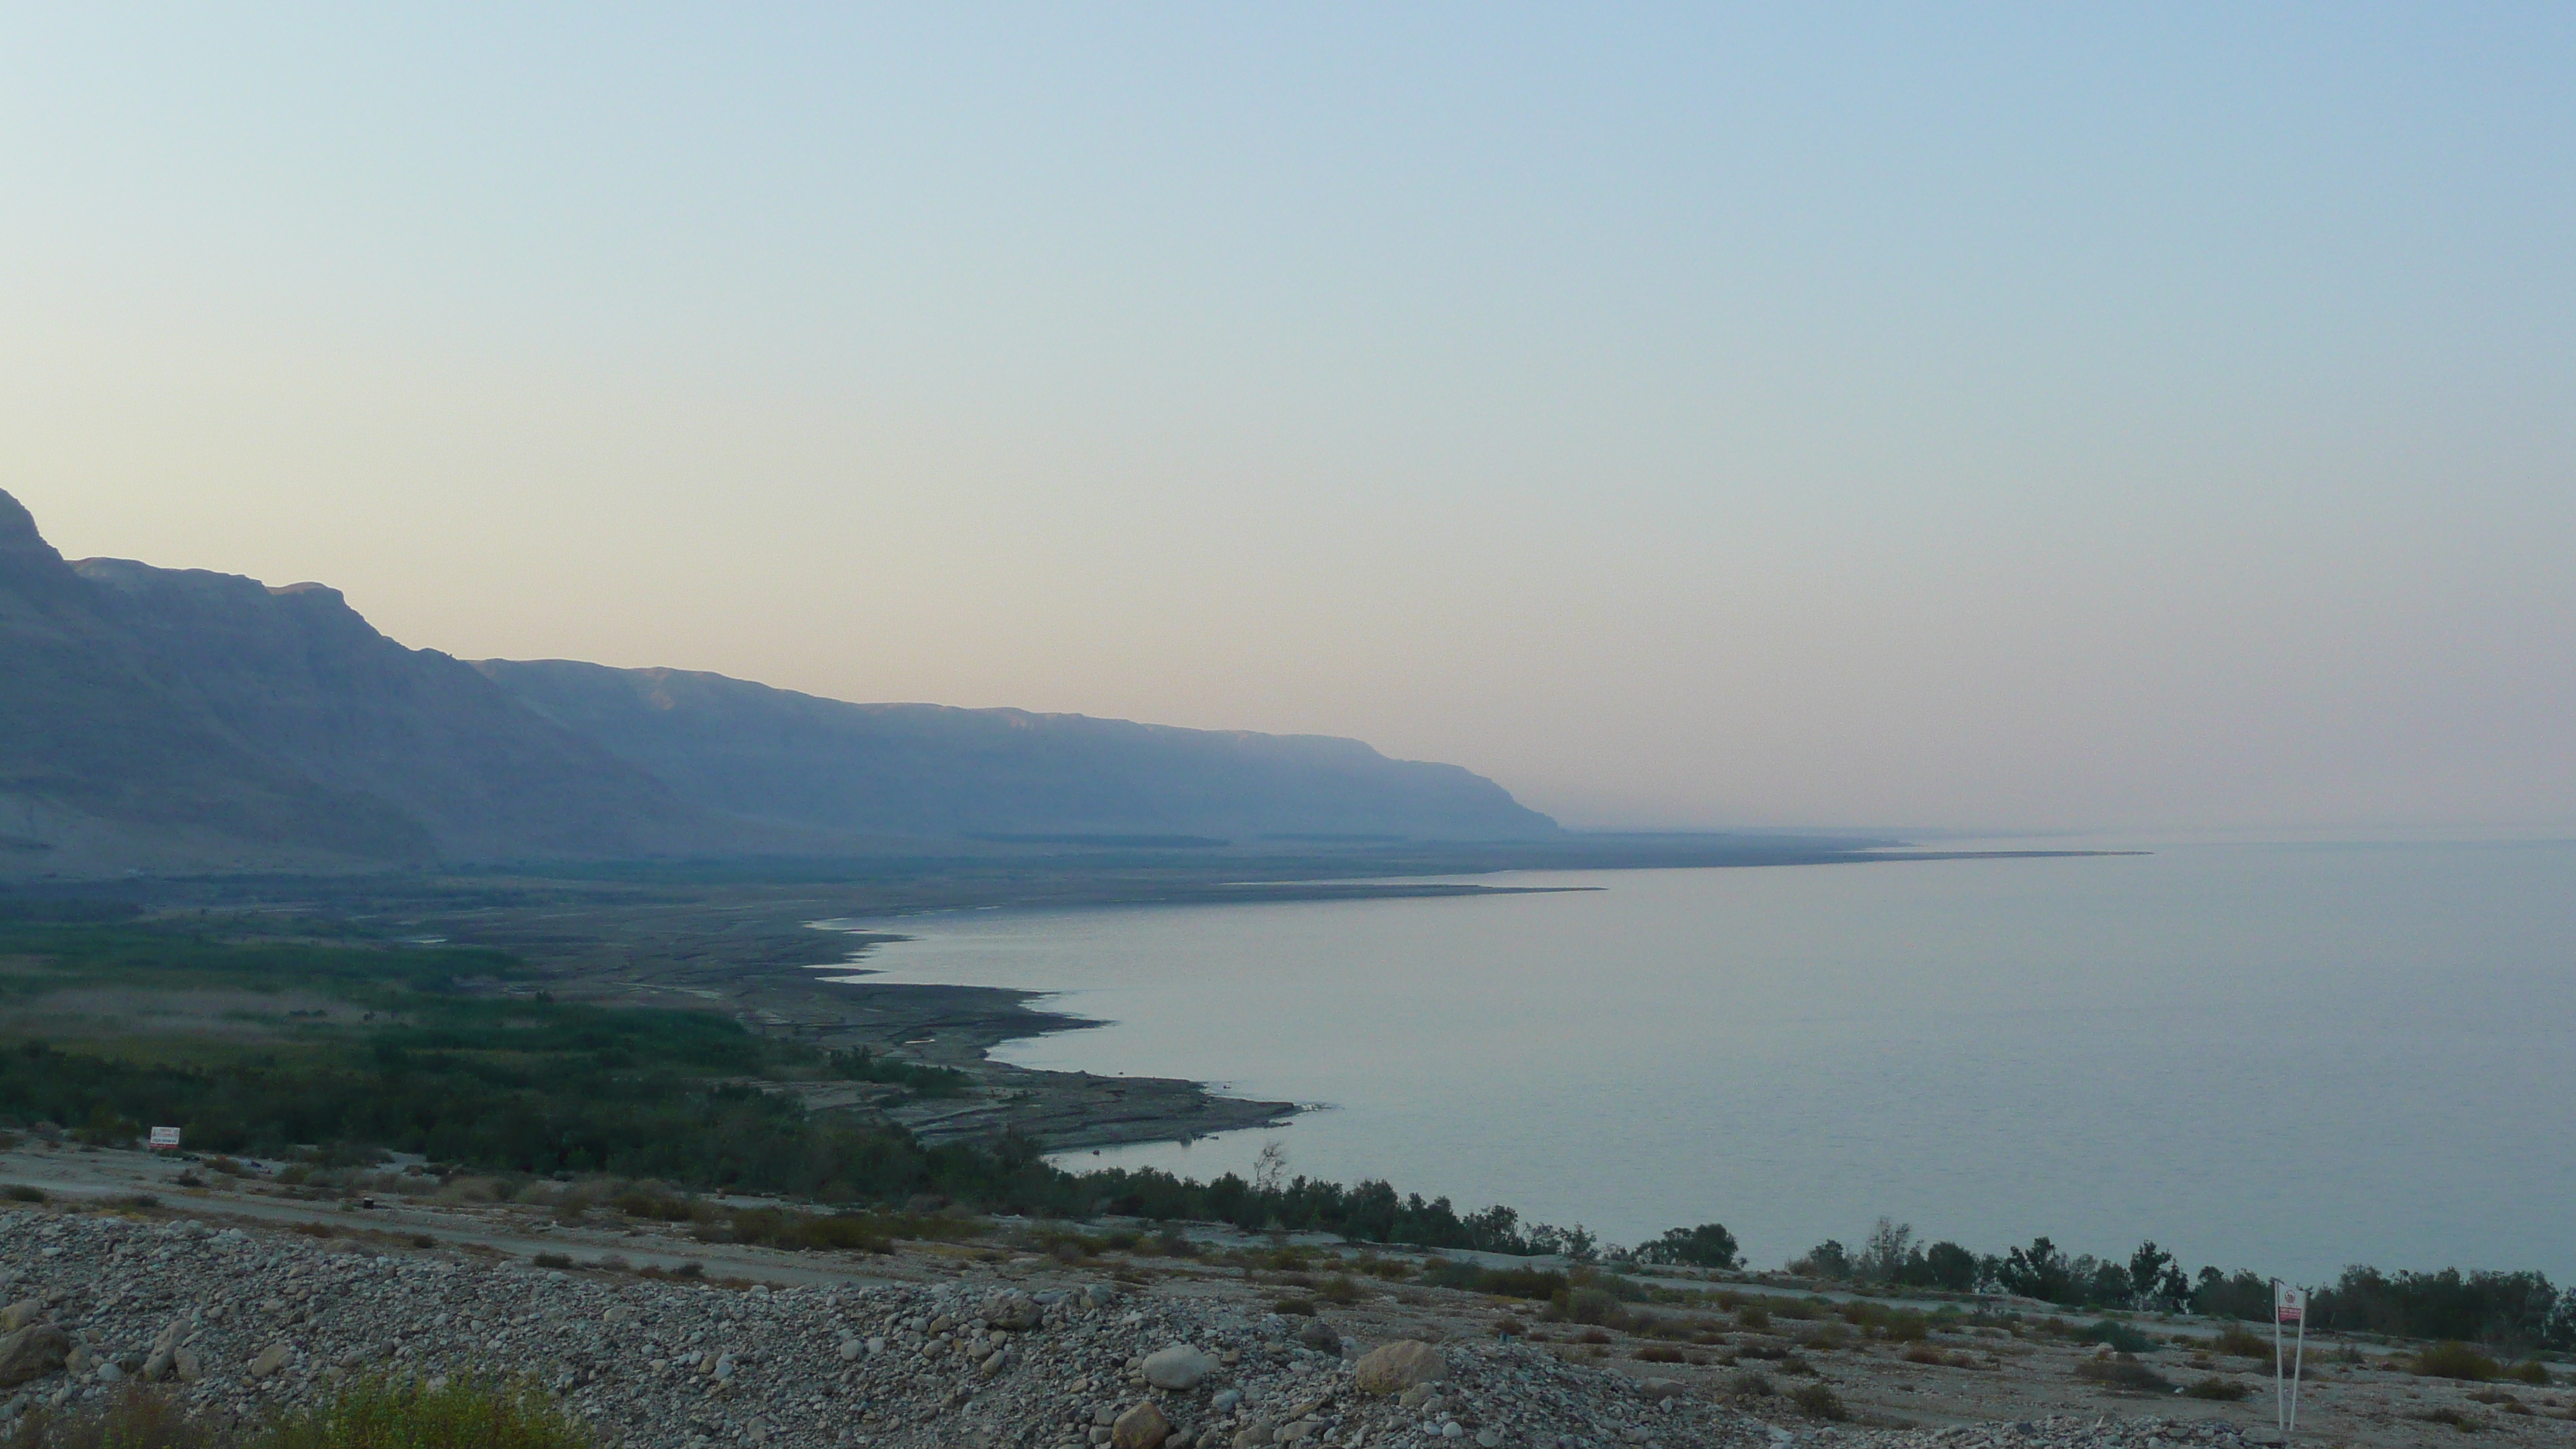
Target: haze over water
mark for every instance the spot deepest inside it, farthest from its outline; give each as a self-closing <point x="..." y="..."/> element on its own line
<point x="2286" y="1057"/>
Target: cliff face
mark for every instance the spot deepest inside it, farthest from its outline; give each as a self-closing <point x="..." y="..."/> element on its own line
<point x="108" y="761"/>
<point x="929" y="770"/>
<point x="177" y="719"/>
<point x="163" y="719"/>
<point x="300" y="673"/>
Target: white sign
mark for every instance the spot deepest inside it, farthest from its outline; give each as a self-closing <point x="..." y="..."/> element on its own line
<point x="164" y="1137"/>
<point x="2289" y="1305"/>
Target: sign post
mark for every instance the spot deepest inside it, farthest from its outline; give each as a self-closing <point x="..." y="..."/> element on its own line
<point x="2289" y="1306"/>
<point x="164" y="1138"/>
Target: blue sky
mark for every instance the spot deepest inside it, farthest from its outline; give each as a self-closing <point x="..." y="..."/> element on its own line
<point x="1994" y="416"/>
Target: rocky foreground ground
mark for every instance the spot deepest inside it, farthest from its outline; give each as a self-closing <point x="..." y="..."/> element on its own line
<point x="938" y="1345"/>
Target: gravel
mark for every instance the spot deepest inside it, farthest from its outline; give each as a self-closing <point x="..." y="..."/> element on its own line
<point x="253" y="1322"/>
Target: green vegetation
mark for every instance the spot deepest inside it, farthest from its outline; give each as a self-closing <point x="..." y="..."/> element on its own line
<point x="2454" y="1360"/>
<point x="1819" y="1402"/>
<point x="376" y="1413"/>
<point x="2505" y="1310"/>
<point x="865" y="1066"/>
<point x="1709" y="1245"/>
<point x="2225" y="1391"/>
<point x="453" y="1055"/>
<point x="2117" y="1336"/>
<point x="2123" y="1371"/>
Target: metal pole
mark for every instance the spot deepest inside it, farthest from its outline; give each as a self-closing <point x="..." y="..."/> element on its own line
<point x="2280" y="1401"/>
<point x="2298" y="1358"/>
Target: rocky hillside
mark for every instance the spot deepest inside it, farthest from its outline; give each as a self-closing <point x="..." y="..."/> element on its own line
<point x="246" y="1323"/>
<point x="178" y="720"/>
<point x="928" y="770"/>
<point x="160" y="719"/>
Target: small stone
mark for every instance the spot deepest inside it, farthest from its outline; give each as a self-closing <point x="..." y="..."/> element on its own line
<point x="1489" y="1439"/>
<point x="1451" y="1430"/>
<point x="1394" y="1367"/>
<point x="851" y="1348"/>
<point x="1178" y="1368"/>
<point x="1253" y="1435"/>
<point x="21" y="1313"/>
<point x="1320" y="1336"/>
<point x="270" y="1360"/>
<point x="1225" y="1400"/>
<point x="1141" y="1427"/>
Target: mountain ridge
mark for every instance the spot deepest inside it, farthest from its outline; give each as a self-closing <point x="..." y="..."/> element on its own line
<point x="185" y="720"/>
<point x="942" y="770"/>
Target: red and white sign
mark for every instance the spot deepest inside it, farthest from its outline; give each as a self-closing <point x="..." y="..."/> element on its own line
<point x="164" y="1137"/>
<point x="2289" y="1305"/>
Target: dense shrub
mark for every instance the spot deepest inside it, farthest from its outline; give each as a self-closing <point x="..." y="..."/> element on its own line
<point x="1709" y="1245"/>
<point x="2512" y="1310"/>
<point x="409" y="1414"/>
<point x="366" y="1414"/>
<point x="2455" y="1360"/>
<point x="1819" y="1402"/>
<point x="2123" y="1371"/>
<point x="2117" y="1336"/>
<point x="2237" y="1341"/>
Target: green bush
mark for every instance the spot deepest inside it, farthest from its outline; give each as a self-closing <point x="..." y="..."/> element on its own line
<point x="411" y="1414"/>
<point x="2456" y="1360"/>
<point x="2223" y="1390"/>
<point x="138" y="1419"/>
<point x="2117" y="1336"/>
<point x="2530" y="1371"/>
<point x="1532" y="1283"/>
<point x="1819" y="1402"/>
<point x="365" y="1414"/>
<point x="2122" y="1371"/>
<point x="1709" y="1245"/>
<point x="2243" y="1344"/>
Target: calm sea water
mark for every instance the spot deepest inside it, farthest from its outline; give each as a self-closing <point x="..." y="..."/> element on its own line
<point x="2280" y="1057"/>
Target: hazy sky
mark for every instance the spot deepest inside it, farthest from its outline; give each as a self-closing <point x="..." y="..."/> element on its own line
<point x="1923" y="415"/>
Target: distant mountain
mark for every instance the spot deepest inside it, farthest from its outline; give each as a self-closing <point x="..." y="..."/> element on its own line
<point x="929" y="770"/>
<point x="172" y="719"/>
<point x="159" y="719"/>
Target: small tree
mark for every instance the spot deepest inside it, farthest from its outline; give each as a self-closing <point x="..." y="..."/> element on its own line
<point x="2038" y="1271"/>
<point x="1709" y="1245"/>
<point x="2155" y="1280"/>
<point x="1885" y="1257"/>
<point x="1270" y="1168"/>
<point x="1828" y="1259"/>
<point x="1947" y="1265"/>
